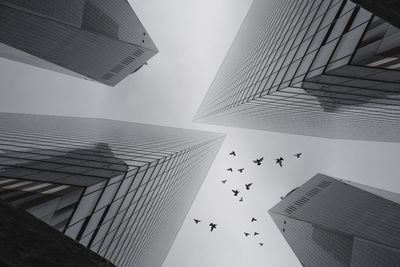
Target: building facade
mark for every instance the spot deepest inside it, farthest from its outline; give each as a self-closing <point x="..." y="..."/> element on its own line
<point x="121" y="189"/>
<point x="93" y="39"/>
<point x="325" y="68"/>
<point x="331" y="222"/>
<point x="55" y="248"/>
<point x="387" y="10"/>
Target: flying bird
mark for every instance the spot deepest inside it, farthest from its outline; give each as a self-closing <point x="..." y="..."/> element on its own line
<point x="253" y="219"/>
<point x="279" y="161"/>
<point x="229" y="170"/>
<point x="246" y="234"/>
<point x="232" y="153"/>
<point x="196" y="221"/>
<point x="258" y="161"/>
<point x="261" y="244"/>
<point x="235" y="192"/>
<point x="213" y="226"/>
<point x="224" y="181"/>
<point x="255" y="233"/>
<point x="241" y="170"/>
<point x="241" y="199"/>
<point x="297" y="155"/>
<point x="248" y="186"/>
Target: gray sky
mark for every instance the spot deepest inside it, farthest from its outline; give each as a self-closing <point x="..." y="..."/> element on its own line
<point x="193" y="37"/>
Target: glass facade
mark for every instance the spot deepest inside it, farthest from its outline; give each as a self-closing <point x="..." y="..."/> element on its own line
<point x="99" y="40"/>
<point x="121" y="189"/>
<point x="325" y="68"/>
<point x="21" y="233"/>
<point x="330" y="222"/>
<point x="388" y="10"/>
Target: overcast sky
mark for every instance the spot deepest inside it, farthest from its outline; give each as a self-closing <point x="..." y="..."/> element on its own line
<point x="193" y="37"/>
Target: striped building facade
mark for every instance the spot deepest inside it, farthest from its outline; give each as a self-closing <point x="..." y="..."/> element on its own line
<point x="331" y="222"/>
<point x="93" y="39"/>
<point x="121" y="189"/>
<point x="325" y="68"/>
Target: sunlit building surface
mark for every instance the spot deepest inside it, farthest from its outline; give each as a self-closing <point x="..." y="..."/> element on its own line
<point x="331" y="222"/>
<point x="325" y="68"/>
<point x="94" y="39"/>
<point x="121" y="189"/>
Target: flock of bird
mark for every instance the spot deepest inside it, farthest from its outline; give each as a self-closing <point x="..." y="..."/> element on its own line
<point x="248" y="187"/>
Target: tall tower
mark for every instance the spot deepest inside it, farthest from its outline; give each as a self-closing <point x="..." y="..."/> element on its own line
<point x="94" y="39"/>
<point x="325" y="68"/>
<point x="121" y="189"/>
<point x="55" y="249"/>
<point x="330" y="222"/>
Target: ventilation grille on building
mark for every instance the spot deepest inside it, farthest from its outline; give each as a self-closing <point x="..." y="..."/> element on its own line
<point x="138" y="53"/>
<point x="301" y="201"/>
<point x="107" y="76"/>
<point x="290" y="209"/>
<point x="313" y="192"/>
<point x="324" y="184"/>
<point x="128" y="60"/>
<point x="117" y="68"/>
<point x="125" y="62"/>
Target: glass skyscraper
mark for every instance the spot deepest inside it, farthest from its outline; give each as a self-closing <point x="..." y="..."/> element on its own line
<point x="121" y="189"/>
<point x="325" y="68"/>
<point x="388" y="10"/>
<point x="21" y="233"/>
<point x="332" y="222"/>
<point x="94" y="39"/>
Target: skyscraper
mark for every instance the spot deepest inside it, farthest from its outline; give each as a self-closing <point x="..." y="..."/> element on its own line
<point x="325" y="68"/>
<point x="95" y="39"/>
<point x="21" y="233"/>
<point x="331" y="222"/>
<point x="121" y="189"/>
<point x="388" y="10"/>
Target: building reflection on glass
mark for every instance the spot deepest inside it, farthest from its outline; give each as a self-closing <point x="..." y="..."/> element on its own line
<point x="319" y="68"/>
<point x="113" y="186"/>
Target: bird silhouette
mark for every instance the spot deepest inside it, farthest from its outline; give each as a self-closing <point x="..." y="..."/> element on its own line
<point x="261" y="244"/>
<point x="229" y="170"/>
<point x="241" y="199"/>
<point x="297" y="155"/>
<point x="241" y="170"/>
<point x="246" y="234"/>
<point x="253" y="219"/>
<point x="235" y="192"/>
<point x="258" y="161"/>
<point x="232" y="153"/>
<point x="213" y="226"/>
<point x="279" y="161"/>
<point x="224" y="181"/>
<point x="196" y="221"/>
<point x="248" y="186"/>
<point x="255" y="233"/>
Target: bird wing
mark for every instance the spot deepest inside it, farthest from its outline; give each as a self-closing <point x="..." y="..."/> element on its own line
<point x="261" y="159"/>
<point x="280" y="163"/>
<point x="255" y="161"/>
